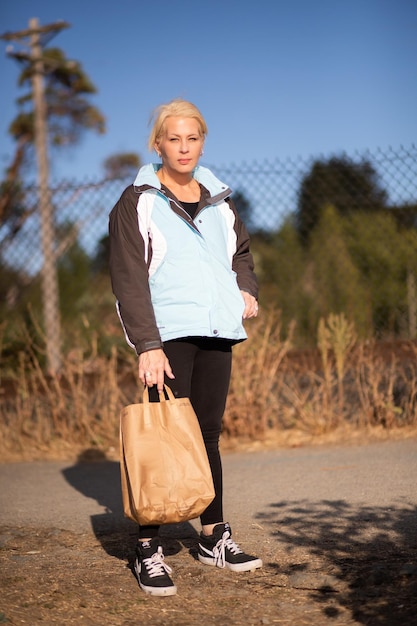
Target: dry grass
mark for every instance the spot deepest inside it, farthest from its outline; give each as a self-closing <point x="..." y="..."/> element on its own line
<point x="274" y="389"/>
<point x="77" y="409"/>
<point x="343" y="383"/>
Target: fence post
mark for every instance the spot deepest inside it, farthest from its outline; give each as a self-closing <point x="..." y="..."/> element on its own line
<point x="412" y="304"/>
<point x="50" y="294"/>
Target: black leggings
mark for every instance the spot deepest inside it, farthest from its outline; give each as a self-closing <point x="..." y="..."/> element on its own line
<point x="202" y="368"/>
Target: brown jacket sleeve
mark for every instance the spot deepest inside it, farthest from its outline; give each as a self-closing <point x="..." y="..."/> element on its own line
<point x="129" y="274"/>
<point x="242" y="262"/>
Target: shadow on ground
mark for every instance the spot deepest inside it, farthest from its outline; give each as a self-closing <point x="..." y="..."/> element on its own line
<point x="346" y="558"/>
<point x="98" y="478"/>
<point x="357" y="557"/>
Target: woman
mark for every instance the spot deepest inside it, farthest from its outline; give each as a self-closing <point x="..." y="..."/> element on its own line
<point x="183" y="278"/>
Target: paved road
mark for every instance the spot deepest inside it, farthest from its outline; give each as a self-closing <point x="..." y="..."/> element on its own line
<point x="258" y="485"/>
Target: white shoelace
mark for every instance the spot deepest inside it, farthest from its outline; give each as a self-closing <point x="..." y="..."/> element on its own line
<point x="219" y="550"/>
<point x="156" y="565"/>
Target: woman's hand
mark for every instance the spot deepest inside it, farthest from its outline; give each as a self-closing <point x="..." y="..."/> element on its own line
<point x="251" y="305"/>
<point x="153" y="365"/>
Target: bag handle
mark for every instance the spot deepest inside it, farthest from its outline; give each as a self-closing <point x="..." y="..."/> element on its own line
<point x="167" y="391"/>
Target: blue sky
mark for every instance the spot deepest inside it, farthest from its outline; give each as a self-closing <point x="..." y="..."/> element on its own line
<point x="273" y="78"/>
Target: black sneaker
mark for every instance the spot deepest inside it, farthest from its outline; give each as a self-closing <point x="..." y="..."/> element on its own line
<point x="220" y="550"/>
<point x="151" y="570"/>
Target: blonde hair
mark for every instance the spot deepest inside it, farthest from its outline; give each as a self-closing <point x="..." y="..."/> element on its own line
<point x="175" y="108"/>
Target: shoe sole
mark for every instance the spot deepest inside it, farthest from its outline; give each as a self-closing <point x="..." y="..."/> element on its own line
<point x="161" y="592"/>
<point x="249" y="566"/>
<point x="155" y="591"/>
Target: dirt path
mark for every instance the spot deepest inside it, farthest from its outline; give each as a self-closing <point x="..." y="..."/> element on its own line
<point x="336" y="527"/>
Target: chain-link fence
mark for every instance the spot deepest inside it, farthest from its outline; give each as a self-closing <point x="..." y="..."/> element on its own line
<point x="373" y="196"/>
<point x="268" y="193"/>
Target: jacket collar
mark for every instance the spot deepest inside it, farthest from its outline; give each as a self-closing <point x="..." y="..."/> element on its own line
<point x="218" y="190"/>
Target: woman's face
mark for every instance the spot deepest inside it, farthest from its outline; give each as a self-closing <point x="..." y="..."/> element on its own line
<point x="181" y="145"/>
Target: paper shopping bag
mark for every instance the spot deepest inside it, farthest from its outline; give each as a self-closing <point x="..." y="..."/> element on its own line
<point x="165" y="472"/>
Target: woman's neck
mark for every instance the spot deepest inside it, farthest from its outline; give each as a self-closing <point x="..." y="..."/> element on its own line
<point x="184" y="187"/>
